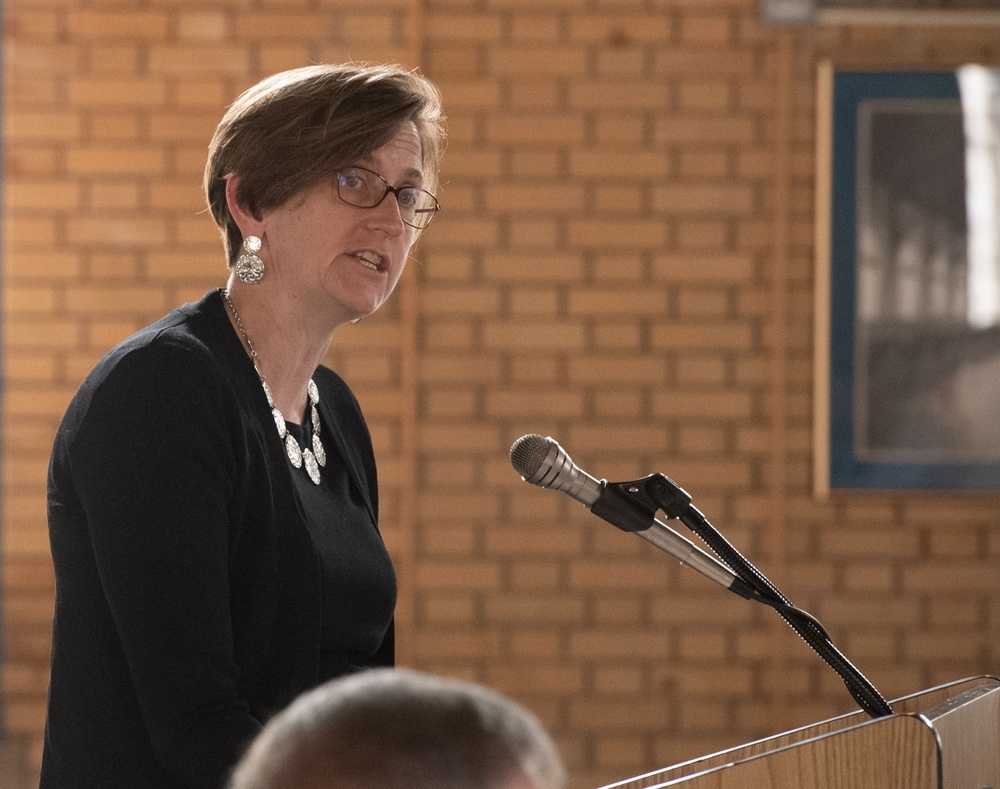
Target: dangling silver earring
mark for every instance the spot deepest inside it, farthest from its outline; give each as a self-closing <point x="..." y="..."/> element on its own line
<point x="249" y="267"/>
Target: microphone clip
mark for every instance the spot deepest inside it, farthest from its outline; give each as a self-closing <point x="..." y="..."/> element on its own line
<point x="632" y="506"/>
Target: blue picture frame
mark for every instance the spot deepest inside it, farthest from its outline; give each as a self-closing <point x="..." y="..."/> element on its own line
<point x="862" y="453"/>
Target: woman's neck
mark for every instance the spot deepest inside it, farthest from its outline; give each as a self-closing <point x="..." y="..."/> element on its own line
<point x="288" y="349"/>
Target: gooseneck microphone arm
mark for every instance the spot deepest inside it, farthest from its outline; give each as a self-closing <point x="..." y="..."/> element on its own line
<point x="632" y="506"/>
<point x="676" y="503"/>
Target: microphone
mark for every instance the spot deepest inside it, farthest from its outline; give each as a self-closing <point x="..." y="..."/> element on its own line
<point x="541" y="461"/>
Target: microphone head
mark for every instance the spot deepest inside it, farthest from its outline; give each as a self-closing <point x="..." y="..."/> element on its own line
<point x="528" y="453"/>
<point x="541" y="461"/>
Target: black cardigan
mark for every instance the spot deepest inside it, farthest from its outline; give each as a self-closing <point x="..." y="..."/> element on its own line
<point x="187" y="587"/>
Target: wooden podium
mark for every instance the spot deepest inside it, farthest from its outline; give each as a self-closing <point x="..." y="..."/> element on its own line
<point x="944" y="738"/>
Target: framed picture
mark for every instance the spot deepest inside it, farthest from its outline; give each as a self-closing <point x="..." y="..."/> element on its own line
<point x="907" y="297"/>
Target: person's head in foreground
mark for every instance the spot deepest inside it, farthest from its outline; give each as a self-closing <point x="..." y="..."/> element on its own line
<point x="401" y="729"/>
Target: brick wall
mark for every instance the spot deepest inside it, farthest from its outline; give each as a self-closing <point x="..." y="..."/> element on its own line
<point x="624" y="262"/>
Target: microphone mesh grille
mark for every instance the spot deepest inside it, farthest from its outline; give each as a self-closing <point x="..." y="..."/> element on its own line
<point x="528" y="453"/>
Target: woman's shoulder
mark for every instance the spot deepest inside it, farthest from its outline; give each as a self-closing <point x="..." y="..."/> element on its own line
<point x="193" y="329"/>
<point x="182" y="350"/>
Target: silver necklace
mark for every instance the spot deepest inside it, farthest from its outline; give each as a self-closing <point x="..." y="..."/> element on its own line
<point x="310" y="458"/>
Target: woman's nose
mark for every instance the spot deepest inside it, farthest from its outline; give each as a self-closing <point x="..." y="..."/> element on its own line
<point x="388" y="217"/>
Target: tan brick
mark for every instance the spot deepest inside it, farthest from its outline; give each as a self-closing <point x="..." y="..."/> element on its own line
<point x="456" y="439"/>
<point x="21" y="300"/>
<point x="37" y="401"/>
<point x="455" y="644"/>
<point x="535" y="128"/>
<point x="615" y="96"/>
<point x="39" y="194"/>
<point x="715" y="29"/>
<point x="527" y="643"/>
<point x="531" y="236"/>
<point x="950" y="578"/>
<point x="533" y="335"/>
<point x="605" y="302"/>
<point x="41" y="126"/>
<point x="371" y="26"/>
<point x="116" y="92"/>
<point x="623" y="62"/>
<point x="617" y="335"/>
<point x="39" y="160"/>
<point x="618" y="164"/>
<point x="128" y="231"/>
<point x="29" y="368"/>
<point x="116" y="126"/>
<point x="613" y="643"/>
<point x="458" y="368"/>
<point x="705" y="61"/>
<point x="277" y="26"/>
<point x="112" y="59"/>
<point x="133" y="24"/>
<point x="619" y="404"/>
<point x="117" y="300"/>
<point x="541" y="302"/>
<point x="533" y="574"/>
<point x="35" y="60"/>
<point x="559" y="680"/>
<point x="616" y="368"/>
<point x="710" y="96"/>
<point x="24" y="234"/>
<point x="33" y="332"/>
<point x="448" y="610"/>
<point x="533" y="608"/>
<point x="540" y="27"/>
<point x="445" y="334"/>
<point x="703" y="369"/>
<point x="196" y="128"/>
<point x="710" y="164"/>
<point x="203" y="26"/>
<point x="591" y="28"/>
<point x="566" y="61"/>
<point x="455" y="60"/>
<point x="187" y="60"/>
<point x="526" y="267"/>
<point x="620" y="128"/>
<point x="465" y="27"/>
<point x="704" y="268"/>
<point x="27" y="25"/>
<point x="25" y="266"/>
<point x="621" y="234"/>
<point x="114" y="196"/>
<point x="535" y="200"/>
<point x="26" y="543"/>
<point x="522" y="402"/>
<point x="708" y="199"/>
<point x="697" y="440"/>
<point x="132" y="160"/>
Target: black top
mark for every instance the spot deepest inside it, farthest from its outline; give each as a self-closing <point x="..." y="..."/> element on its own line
<point x="201" y="581"/>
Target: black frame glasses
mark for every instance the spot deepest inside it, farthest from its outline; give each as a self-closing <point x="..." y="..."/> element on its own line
<point x="364" y="188"/>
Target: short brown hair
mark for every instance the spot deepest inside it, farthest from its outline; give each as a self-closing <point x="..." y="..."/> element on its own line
<point x="290" y="131"/>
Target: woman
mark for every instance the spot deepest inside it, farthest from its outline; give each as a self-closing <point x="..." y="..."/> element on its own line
<point x="212" y="491"/>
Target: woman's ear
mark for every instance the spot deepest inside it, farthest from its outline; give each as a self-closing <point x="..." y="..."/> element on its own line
<point x="248" y="224"/>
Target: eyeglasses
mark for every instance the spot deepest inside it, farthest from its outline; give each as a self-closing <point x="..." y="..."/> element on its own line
<point x="366" y="189"/>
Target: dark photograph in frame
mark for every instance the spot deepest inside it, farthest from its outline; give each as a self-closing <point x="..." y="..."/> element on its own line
<point x="908" y="341"/>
